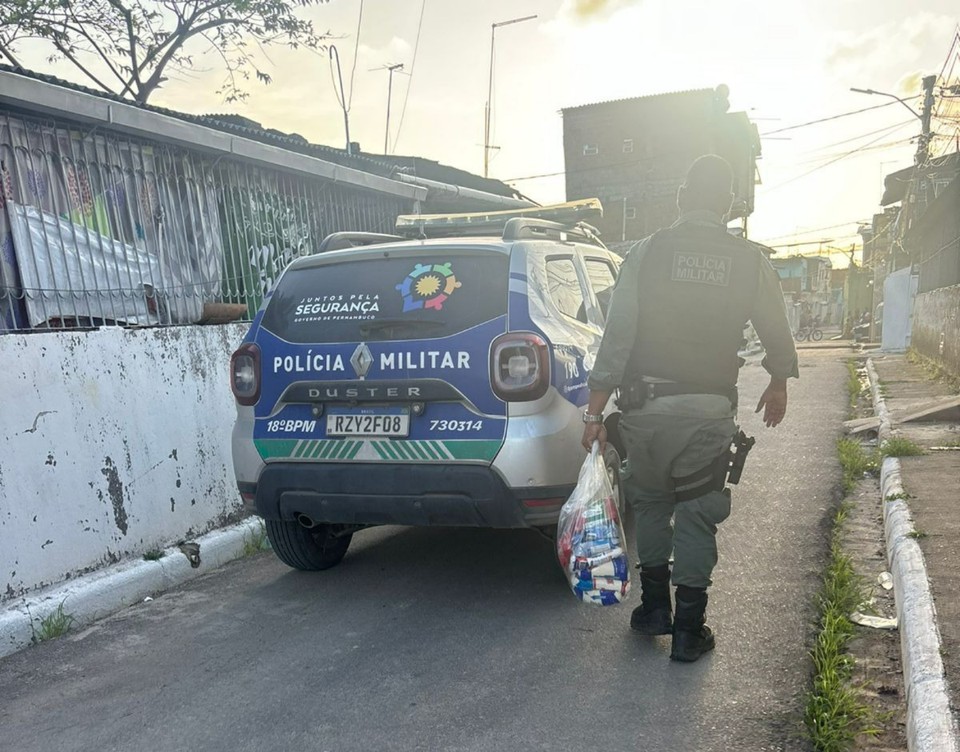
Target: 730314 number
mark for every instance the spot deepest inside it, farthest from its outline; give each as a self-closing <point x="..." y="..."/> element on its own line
<point x="456" y="425"/>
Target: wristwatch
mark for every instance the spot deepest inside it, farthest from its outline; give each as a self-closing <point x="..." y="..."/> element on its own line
<point x="588" y="418"/>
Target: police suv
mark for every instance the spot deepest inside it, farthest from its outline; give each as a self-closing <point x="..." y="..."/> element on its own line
<point x="438" y="380"/>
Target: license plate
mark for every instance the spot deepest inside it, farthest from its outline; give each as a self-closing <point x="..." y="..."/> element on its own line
<point x="347" y="424"/>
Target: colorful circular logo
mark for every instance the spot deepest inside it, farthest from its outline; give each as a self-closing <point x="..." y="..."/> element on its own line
<point x="427" y="286"/>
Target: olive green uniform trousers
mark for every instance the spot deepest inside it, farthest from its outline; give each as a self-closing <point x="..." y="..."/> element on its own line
<point x="669" y="438"/>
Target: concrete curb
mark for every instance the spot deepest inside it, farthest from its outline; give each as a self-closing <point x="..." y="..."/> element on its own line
<point x="930" y="724"/>
<point x="100" y="594"/>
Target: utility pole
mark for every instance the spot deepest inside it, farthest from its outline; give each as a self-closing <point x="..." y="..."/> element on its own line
<point x="391" y="69"/>
<point x="924" y="115"/>
<point x="923" y="146"/>
<point x="341" y="96"/>
<point x="486" y="114"/>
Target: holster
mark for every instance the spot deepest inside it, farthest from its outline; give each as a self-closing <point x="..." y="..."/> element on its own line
<point x="727" y="468"/>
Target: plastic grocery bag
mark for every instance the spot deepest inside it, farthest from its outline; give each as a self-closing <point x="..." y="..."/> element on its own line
<point x="590" y="541"/>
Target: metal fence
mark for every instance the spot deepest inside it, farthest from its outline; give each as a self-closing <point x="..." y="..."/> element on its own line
<point x="97" y="228"/>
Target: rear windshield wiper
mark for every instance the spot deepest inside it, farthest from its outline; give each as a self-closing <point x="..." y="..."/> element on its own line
<point x="386" y="325"/>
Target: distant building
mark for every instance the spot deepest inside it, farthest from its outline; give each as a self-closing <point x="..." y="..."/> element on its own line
<point x="807" y="284"/>
<point x="633" y="154"/>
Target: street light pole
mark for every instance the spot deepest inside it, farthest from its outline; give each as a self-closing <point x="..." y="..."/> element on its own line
<point x="924" y="116"/>
<point x="489" y="106"/>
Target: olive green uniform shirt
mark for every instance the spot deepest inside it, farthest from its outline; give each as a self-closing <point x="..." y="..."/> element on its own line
<point x="769" y="317"/>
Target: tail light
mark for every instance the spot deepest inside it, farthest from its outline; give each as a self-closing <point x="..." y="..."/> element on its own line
<point x="519" y="367"/>
<point x="245" y="374"/>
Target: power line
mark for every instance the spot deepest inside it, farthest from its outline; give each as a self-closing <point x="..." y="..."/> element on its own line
<point x="832" y="161"/>
<point x="413" y="62"/>
<point x="645" y="160"/>
<point x="356" y="50"/>
<point x="833" y="117"/>
<point x="798" y="233"/>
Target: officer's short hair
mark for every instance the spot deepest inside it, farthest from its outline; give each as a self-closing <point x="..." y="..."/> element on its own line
<point x="709" y="180"/>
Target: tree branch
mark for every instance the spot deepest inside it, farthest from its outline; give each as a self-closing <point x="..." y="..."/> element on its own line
<point x="69" y="56"/>
<point x="128" y="17"/>
<point x="89" y="37"/>
<point x="9" y="56"/>
<point x="154" y="81"/>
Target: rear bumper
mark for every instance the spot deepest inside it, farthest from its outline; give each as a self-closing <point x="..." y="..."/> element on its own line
<point x="403" y="494"/>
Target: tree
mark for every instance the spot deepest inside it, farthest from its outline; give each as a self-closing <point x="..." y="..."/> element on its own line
<point x="130" y="47"/>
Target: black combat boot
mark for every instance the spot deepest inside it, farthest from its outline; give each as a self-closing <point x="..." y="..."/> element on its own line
<point x="652" y="616"/>
<point x="691" y="636"/>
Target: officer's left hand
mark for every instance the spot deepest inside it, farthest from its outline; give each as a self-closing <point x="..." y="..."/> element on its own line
<point x="773" y="402"/>
<point x="594" y="432"/>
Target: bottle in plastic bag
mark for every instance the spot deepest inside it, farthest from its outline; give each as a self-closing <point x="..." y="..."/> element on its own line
<point x="590" y="537"/>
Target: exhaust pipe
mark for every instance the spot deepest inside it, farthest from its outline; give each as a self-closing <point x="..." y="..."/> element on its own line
<point x="306" y="521"/>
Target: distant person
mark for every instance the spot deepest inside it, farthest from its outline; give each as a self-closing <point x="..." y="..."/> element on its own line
<point x="674" y="327"/>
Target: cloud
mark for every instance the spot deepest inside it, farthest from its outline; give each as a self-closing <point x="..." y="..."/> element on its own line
<point x="878" y="56"/>
<point x="593" y="10"/>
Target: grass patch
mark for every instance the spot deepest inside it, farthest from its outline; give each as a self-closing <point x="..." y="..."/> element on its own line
<point x="255" y="541"/>
<point x="934" y="369"/>
<point x="855" y="461"/>
<point x="153" y="554"/>
<point x="854" y="386"/>
<point x="900" y="447"/>
<point x="834" y="713"/>
<point x="917" y="534"/>
<point x="895" y="497"/>
<point x="55" y="625"/>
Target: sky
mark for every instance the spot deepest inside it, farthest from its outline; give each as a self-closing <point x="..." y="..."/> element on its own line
<point x="786" y="62"/>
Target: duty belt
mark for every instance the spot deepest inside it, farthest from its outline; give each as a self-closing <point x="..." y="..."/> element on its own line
<point x="633" y="396"/>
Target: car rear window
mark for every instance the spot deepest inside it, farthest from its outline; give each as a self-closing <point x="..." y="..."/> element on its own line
<point x="389" y="298"/>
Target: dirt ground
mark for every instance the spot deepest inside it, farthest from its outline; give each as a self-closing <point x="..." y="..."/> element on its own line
<point x="878" y="671"/>
<point x="877" y="651"/>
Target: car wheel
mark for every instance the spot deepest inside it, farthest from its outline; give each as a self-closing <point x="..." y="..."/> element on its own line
<point x="308" y="548"/>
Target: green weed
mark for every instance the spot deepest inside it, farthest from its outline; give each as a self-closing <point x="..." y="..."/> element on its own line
<point x="896" y="496"/>
<point x="55" y="625"/>
<point x="153" y="554"/>
<point x="854" y="385"/>
<point x="855" y="461"/>
<point x="835" y="713"/>
<point x="917" y="534"/>
<point x="256" y="541"/>
<point x="900" y="447"/>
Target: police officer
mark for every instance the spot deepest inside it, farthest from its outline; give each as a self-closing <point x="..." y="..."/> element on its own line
<point x="674" y="328"/>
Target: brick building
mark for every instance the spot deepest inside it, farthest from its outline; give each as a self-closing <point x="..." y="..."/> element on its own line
<point x="633" y="154"/>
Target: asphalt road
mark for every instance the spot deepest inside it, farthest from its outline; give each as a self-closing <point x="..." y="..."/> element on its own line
<point x="460" y="639"/>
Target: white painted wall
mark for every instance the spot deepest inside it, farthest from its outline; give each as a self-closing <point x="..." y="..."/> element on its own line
<point x="112" y="442"/>
<point x="899" y="290"/>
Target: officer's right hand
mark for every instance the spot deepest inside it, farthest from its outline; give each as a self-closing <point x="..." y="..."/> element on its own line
<point x="594" y="432"/>
<point x="774" y="403"/>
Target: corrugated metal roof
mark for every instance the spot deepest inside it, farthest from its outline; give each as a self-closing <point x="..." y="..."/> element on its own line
<point x="385" y="165"/>
<point x="637" y="99"/>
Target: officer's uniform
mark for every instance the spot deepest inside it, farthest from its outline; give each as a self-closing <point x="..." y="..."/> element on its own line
<point x="675" y="326"/>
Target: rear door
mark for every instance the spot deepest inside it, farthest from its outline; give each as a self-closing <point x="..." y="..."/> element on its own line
<point x="383" y="356"/>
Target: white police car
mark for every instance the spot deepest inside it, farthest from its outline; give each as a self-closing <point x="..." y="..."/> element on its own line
<point x="433" y="381"/>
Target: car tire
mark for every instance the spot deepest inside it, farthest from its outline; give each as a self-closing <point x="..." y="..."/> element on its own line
<point x="310" y="549"/>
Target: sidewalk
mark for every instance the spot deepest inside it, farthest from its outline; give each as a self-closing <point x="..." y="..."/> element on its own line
<point x="932" y="484"/>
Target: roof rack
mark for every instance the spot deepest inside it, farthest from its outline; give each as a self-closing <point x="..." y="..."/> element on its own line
<point x="339" y="240"/>
<point x="519" y="228"/>
<point x="566" y="217"/>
